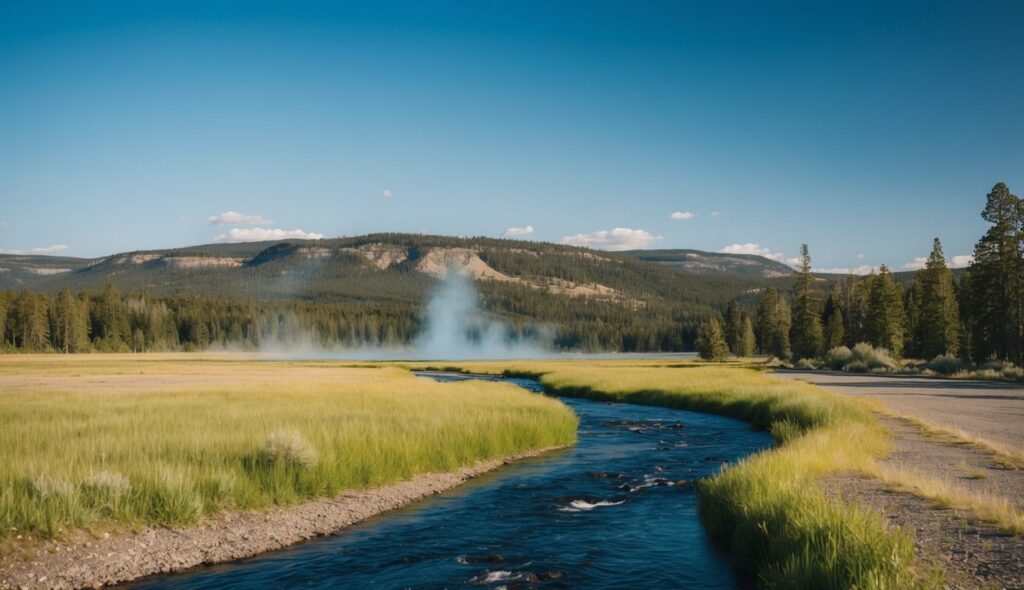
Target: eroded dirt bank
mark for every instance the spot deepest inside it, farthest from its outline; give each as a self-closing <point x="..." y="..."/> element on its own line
<point x="86" y="562"/>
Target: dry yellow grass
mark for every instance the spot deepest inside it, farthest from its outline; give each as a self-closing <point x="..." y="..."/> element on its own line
<point x="987" y="507"/>
<point x="88" y="440"/>
<point x="1003" y="455"/>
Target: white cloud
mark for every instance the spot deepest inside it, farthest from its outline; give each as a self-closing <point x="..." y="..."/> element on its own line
<point x="961" y="261"/>
<point x="260" y="234"/>
<point x="793" y="261"/>
<point x="860" y="257"/>
<point x="54" y="249"/>
<point x="236" y="218"/>
<point x="681" y="216"/>
<point x="752" y="248"/>
<point x="387" y="194"/>
<point x="620" y="238"/>
<point x="863" y="269"/>
<point x="916" y="264"/>
<point x="517" y="232"/>
<point x="715" y="213"/>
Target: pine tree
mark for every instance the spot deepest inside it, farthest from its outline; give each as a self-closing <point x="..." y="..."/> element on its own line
<point x="5" y="308"/>
<point x="110" y="318"/>
<point x="995" y="310"/>
<point x="70" y="328"/>
<point x="747" y="340"/>
<point x="936" y="315"/>
<point x="767" y="319"/>
<point x="834" y="332"/>
<point x="31" y="321"/>
<point x="884" y="320"/>
<point x="807" y="334"/>
<point x="779" y="340"/>
<point x="733" y="326"/>
<point x="711" y="345"/>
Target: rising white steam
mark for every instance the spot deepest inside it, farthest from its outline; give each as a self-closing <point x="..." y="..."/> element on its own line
<point x="456" y="327"/>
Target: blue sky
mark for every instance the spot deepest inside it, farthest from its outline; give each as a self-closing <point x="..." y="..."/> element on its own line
<point x="862" y="128"/>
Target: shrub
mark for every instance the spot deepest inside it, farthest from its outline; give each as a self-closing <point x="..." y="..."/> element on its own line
<point x="838" y="357"/>
<point x="874" y="358"/>
<point x="48" y="487"/>
<point x="1012" y="373"/>
<point x="287" y="448"/>
<point x="107" y="483"/>
<point x="856" y="367"/>
<point x="807" y="364"/>
<point x="947" y="364"/>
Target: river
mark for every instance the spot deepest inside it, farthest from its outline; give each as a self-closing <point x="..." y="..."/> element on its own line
<point x="618" y="510"/>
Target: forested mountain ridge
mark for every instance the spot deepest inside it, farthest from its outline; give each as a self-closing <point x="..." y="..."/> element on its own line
<point x="301" y="268"/>
<point x="699" y="262"/>
<point x="374" y="286"/>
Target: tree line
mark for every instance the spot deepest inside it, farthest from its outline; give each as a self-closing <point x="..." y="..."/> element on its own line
<point x="110" y="321"/>
<point x="979" y="317"/>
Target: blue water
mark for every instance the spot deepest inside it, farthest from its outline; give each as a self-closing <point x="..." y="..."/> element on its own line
<point x="607" y="513"/>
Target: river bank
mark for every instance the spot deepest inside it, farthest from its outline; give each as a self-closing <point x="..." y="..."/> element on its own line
<point x="85" y="562"/>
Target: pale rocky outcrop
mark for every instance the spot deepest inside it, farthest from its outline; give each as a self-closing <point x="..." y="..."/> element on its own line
<point x="381" y="255"/>
<point x="202" y="262"/>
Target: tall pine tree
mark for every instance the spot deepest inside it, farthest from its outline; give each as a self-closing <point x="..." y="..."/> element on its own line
<point x="936" y="324"/>
<point x="766" y="319"/>
<point x="748" y="342"/>
<point x="711" y="345"/>
<point x="806" y="333"/>
<point x="884" y="321"/>
<point x="995" y="300"/>
<point x="733" y="326"/>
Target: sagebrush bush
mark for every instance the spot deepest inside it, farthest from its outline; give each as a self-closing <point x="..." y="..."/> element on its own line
<point x="861" y="359"/>
<point x="838" y="357"/>
<point x="109" y="483"/>
<point x="807" y="364"/>
<point x="287" y="448"/>
<point x="874" y="358"/>
<point x="947" y="364"/>
<point x="48" y="487"/>
<point x="1013" y="373"/>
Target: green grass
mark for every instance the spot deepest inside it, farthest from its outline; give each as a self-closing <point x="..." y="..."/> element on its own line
<point x="106" y="442"/>
<point x="767" y="511"/>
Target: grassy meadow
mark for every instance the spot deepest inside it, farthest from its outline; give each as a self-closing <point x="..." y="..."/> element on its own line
<point x="767" y="510"/>
<point x="108" y="441"/>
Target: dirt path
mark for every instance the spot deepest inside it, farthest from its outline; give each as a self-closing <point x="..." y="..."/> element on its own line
<point x="973" y="554"/>
<point x="87" y="562"/>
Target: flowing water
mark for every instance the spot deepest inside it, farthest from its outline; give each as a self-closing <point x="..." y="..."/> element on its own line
<point x="617" y="510"/>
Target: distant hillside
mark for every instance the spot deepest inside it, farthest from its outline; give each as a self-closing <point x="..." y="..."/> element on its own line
<point x="594" y="299"/>
<point x="373" y="265"/>
<point x="698" y="262"/>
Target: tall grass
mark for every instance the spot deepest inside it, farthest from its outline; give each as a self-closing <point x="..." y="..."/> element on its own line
<point x="95" y="444"/>
<point x="768" y="510"/>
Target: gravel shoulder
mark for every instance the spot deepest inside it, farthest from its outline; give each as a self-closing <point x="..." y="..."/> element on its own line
<point x="973" y="554"/>
<point x="990" y="410"/>
<point x="83" y="561"/>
